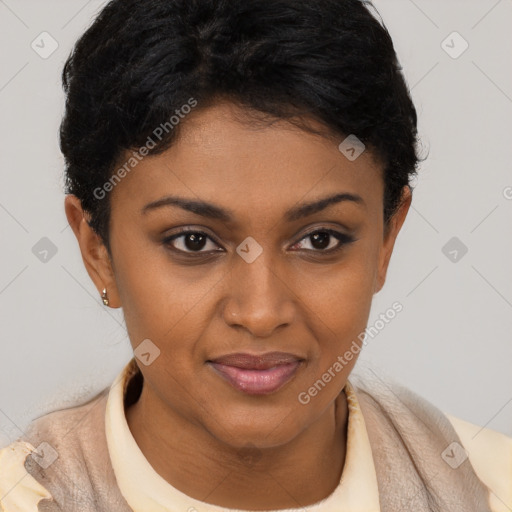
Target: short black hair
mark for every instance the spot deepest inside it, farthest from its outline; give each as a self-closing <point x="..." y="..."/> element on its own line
<point x="142" y="61"/>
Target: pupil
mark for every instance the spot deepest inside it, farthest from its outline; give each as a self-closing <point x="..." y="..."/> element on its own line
<point x="196" y="240"/>
<point x="320" y="240"/>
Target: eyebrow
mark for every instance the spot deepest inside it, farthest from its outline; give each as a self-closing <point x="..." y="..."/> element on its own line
<point x="213" y="211"/>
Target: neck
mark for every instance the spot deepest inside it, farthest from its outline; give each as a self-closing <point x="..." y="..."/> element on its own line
<point x="297" y="474"/>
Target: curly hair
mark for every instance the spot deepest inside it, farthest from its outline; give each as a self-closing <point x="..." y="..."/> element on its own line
<point x="141" y="60"/>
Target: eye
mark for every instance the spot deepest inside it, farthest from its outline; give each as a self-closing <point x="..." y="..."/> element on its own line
<point x="190" y="241"/>
<point x="325" y="240"/>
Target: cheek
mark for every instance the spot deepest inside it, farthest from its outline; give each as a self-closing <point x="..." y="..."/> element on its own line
<point x="158" y="296"/>
<point x="339" y="307"/>
<point x="341" y="296"/>
<point x="339" y="303"/>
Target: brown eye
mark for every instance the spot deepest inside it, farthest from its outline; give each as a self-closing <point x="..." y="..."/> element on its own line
<point x="325" y="240"/>
<point x="320" y="240"/>
<point x="191" y="242"/>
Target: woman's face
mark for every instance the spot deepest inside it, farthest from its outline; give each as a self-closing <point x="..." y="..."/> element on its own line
<point x="258" y="272"/>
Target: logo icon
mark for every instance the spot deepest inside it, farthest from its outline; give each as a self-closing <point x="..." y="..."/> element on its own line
<point x="454" y="45"/>
<point x="352" y="147"/>
<point x="250" y="454"/>
<point x="454" y="455"/>
<point x="45" y="455"/>
<point x="249" y="249"/>
<point x="454" y="250"/>
<point x="44" y="45"/>
<point x="146" y="352"/>
<point x="44" y="250"/>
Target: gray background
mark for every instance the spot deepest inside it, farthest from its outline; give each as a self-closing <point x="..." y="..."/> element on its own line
<point x="451" y="343"/>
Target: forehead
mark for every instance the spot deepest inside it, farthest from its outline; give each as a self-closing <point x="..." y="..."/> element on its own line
<point x="222" y="156"/>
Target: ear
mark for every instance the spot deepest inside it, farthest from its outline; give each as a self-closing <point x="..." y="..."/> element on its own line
<point x="94" y="253"/>
<point x="390" y="233"/>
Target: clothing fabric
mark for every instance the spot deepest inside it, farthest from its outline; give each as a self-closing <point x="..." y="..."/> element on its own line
<point x="402" y="454"/>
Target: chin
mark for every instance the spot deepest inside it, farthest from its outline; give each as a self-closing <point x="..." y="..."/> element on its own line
<point x="254" y="430"/>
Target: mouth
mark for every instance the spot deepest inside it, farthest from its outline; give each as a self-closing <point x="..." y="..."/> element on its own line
<point x="257" y="374"/>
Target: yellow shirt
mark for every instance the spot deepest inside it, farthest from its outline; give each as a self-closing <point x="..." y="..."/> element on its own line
<point x="489" y="452"/>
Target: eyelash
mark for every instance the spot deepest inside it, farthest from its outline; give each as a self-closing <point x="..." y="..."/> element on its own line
<point x="342" y="238"/>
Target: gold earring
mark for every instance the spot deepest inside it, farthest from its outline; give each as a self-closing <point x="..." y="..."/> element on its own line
<point x="104" y="297"/>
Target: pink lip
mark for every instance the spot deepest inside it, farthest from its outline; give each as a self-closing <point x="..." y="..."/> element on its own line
<point x="257" y="374"/>
<point x="257" y="382"/>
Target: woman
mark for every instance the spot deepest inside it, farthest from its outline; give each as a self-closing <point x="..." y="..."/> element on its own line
<point x="237" y="175"/>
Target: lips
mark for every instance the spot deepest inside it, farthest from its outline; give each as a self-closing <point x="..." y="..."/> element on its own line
<point x="257" y="374"/>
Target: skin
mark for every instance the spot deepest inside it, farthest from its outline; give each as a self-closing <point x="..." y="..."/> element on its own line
<point x="207" y="439"/>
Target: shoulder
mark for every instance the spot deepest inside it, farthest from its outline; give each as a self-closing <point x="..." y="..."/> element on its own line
<point x="50" y="456"/>
<point x="62" y="424"/>
<point x="19" y="491"/>
<point x="490" y="454"/>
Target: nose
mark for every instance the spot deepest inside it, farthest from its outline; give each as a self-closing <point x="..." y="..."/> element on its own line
<point x="259" y="297"/>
